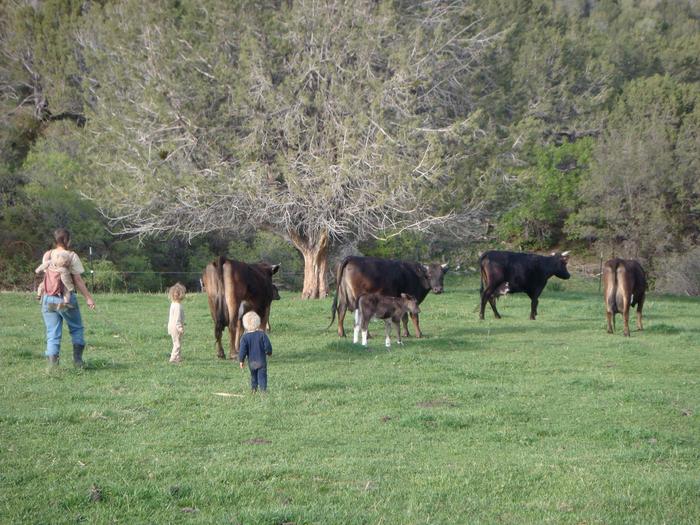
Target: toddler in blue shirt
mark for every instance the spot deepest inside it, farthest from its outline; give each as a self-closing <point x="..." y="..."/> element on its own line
<point x="256" y="346"/>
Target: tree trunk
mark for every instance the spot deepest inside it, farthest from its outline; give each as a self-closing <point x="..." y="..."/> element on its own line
<point x="315" y="253"/>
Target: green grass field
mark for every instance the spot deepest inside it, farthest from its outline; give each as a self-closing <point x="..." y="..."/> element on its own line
<point x="510" y="421"/>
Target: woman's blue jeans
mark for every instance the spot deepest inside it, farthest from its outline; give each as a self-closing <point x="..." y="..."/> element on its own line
<point x="53" y="319"/>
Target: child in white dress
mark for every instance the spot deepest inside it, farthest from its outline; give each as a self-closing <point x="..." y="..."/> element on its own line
<point x="176" y="323"/>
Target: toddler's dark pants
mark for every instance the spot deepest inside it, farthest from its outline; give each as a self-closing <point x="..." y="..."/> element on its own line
<point x="258" y="379"/>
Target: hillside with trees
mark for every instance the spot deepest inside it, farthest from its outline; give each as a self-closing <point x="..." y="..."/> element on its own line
<point x="165" y="133"/>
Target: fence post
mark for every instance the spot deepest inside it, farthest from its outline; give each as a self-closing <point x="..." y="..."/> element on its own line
<point x="600" y="273"/>
<point x="92" y="271"/>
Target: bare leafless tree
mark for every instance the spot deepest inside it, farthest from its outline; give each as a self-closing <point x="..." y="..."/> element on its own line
<point x="316" y="120"/>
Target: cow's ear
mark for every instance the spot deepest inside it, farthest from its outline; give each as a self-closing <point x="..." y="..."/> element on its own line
<point x="274" y="268"/>
<point x="445" y="267"/>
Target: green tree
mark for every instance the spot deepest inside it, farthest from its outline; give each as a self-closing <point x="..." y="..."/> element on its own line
<point x="546" y="194"/>
<point x="641" y="198"/>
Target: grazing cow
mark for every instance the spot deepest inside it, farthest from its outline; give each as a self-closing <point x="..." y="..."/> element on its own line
<point x="524" y="272"/>
<point x="231" y="284"/>
<point x="391" y="309"/>
<point x="361" y="275"/>
<point x="625" y="286"/>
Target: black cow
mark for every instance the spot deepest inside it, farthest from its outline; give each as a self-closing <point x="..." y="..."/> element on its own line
<point x="360" y="275"/>
<point x="524" y="272"/>
<point x="390" y="309"/>
<point x="625" y="286"/>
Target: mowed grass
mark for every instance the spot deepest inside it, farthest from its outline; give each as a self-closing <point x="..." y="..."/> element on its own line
<point x="510" y="421"/>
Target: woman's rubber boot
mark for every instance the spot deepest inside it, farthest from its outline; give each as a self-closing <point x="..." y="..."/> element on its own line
<point x="78" y="356"/>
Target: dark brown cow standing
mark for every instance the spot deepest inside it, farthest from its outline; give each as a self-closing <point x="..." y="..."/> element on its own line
<point x="390" y="309"/>
<point x="625" y="284"/>
<point x="361" y="275"/>
<point x="230" y="285"/>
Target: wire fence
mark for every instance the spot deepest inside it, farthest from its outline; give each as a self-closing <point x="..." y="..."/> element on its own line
<point x="127" y="281"/>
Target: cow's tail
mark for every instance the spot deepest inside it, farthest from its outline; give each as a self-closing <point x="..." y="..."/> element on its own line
<point x="620" y="292"/>
<point x="483" y="275"/>
<point x="612" y="290"/>
<point x="343" y="299"/>
<point x="333" y="307"/>
<point x="221" y="320"/>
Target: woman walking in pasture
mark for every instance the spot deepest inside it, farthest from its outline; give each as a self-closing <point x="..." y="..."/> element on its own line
<point x="52" y="298"/>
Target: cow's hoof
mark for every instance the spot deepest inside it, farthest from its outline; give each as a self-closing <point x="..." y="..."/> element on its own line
<point x="221" y="356"/>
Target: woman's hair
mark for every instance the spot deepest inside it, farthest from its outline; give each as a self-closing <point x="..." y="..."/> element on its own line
<point x="251" y="321"/>
<point x="177" y="292"/>
<point x="61" y="237"/>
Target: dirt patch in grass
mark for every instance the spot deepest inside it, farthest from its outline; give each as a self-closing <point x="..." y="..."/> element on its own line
<point x="436" y="403"/>
<point x="257" y="441"/>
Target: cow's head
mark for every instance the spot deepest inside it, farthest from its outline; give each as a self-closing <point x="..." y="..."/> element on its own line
<point x="434" y="274"/>
<point x="268" y="268"/>
<point x="410" y="303"/>
<point x="560" y="261"/>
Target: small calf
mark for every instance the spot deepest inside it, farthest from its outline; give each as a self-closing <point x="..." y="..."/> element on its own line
<point x="504" y="289"/>
<point x="391" y="309"/>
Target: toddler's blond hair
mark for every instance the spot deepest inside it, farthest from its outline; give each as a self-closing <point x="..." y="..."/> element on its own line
<point x="177" y="292"/>
<point x="251" y="321"/>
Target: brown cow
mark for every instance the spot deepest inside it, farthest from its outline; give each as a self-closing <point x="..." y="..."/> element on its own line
<point x="358" y="275"/>
<point x="245" y="307"/>
<point x="230" y="284"/>
<point x="625" y="286"/>
<point x="390" y="309"/>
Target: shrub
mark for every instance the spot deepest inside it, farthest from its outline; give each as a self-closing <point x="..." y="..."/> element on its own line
<point x="681" y="274"/>
<point x="105" y="278"/>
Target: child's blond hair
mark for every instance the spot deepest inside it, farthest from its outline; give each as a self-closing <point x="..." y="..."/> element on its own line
<point x="251" y="321"/>
<point x="177" y="292"/>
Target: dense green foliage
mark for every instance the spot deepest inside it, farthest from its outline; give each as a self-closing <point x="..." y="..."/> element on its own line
<point x="514" y="421"/>
<point x="573" y="123"/>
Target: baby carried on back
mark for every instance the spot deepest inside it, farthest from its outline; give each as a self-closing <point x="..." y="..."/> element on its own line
<point x="57" y="277"/>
